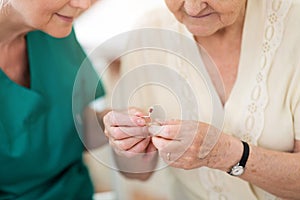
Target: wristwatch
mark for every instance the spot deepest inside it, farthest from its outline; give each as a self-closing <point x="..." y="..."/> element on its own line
<point x="239" y="168"/>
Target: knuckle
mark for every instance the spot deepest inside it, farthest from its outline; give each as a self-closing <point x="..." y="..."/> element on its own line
<point x="108" y="118"/>
<point x="168" y="131"/>
<point x="105" y="118"/>
<point x="121" y="145"/>
<point x="106" y="133"/>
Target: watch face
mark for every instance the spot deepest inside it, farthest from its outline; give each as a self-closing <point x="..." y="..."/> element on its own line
<point x="237" y="170"/>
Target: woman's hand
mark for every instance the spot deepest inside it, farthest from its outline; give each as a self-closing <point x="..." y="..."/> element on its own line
<point x="179" y="143"/>
<point x="129" y="137"/>
<point x="127" y="132"/>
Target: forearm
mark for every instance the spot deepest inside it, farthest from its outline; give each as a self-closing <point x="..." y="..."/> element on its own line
<point x="276" y="172"/>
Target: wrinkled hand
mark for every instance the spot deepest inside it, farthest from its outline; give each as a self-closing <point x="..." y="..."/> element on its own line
<point x="127" y="132"/>
<point x="179" y="143"/>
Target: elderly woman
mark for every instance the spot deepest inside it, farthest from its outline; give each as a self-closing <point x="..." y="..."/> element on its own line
<point x="40" y="150"/>
<point x="250" y="52"/>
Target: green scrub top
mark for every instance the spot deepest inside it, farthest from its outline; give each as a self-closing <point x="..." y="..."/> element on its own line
<point x="40" y="149"/>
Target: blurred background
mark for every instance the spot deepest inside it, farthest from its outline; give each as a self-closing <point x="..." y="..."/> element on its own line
<point x="104" y="20"/>
<point x="108" y="18"/>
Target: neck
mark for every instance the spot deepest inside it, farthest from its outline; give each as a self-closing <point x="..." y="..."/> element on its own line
<point x="13" y="57"/>
<point x="12" y="29"/>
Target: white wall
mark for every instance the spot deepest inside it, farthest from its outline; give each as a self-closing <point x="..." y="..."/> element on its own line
<point x="107" y="18"/>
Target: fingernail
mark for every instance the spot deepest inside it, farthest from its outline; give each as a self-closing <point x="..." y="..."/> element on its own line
<point x="140" y="121"/>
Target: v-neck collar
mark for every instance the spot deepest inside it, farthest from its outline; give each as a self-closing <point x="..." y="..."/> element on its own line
<point x="30" y="66"/>
<point x="249" y="38"/>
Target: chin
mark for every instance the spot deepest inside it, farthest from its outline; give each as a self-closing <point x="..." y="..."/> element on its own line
<point x="60" y="33"/>
<point x="200" y="31"/>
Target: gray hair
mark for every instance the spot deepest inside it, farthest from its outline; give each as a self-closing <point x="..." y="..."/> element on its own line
<point x="3" y="3"/>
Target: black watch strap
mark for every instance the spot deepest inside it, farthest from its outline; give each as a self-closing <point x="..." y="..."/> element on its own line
<point x="239" y="168"/>
<point x="245" y="155"/>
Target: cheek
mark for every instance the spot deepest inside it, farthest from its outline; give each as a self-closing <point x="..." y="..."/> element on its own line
<point x="227" y="19"/>
<point x="34" y="16"/>
<point x="229" y="16"/>
<point x="231" y="11"/>
<point x="39" y="19"/>
<point x="174" y="5"/>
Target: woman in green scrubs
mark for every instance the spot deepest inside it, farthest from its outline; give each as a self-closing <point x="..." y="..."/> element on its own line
<point x="40" y="149"/>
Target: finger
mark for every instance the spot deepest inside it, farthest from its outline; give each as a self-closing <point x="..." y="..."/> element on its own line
<point x="151" y="153"/>
<point x="107" y="132"/>
<point x="114" y="118"/>
<point x="139" y="149"/>
<point x="119" y="133"/>
<point x="166" y="145"/>
<point x="115" y="148"/>
<point x="169" y="122"/>
<point x="126" y="144"/>
<point x="141" y="146"/>
<point x="170" y="132"/>
<point x="160" y="143"/>
<point x="135" y="111"/>
<point x="151" y="148"/>
<point x="171" y="158"/>
<point x="138" y="113"/>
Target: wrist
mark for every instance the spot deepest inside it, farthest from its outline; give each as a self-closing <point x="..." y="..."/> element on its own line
<point x="229" y="151"/>
<point x="239" y="168"/>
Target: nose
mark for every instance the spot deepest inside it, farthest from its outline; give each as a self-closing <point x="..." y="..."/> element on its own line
<point x="82" y="4"/>
<point x="194" y="7"/>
